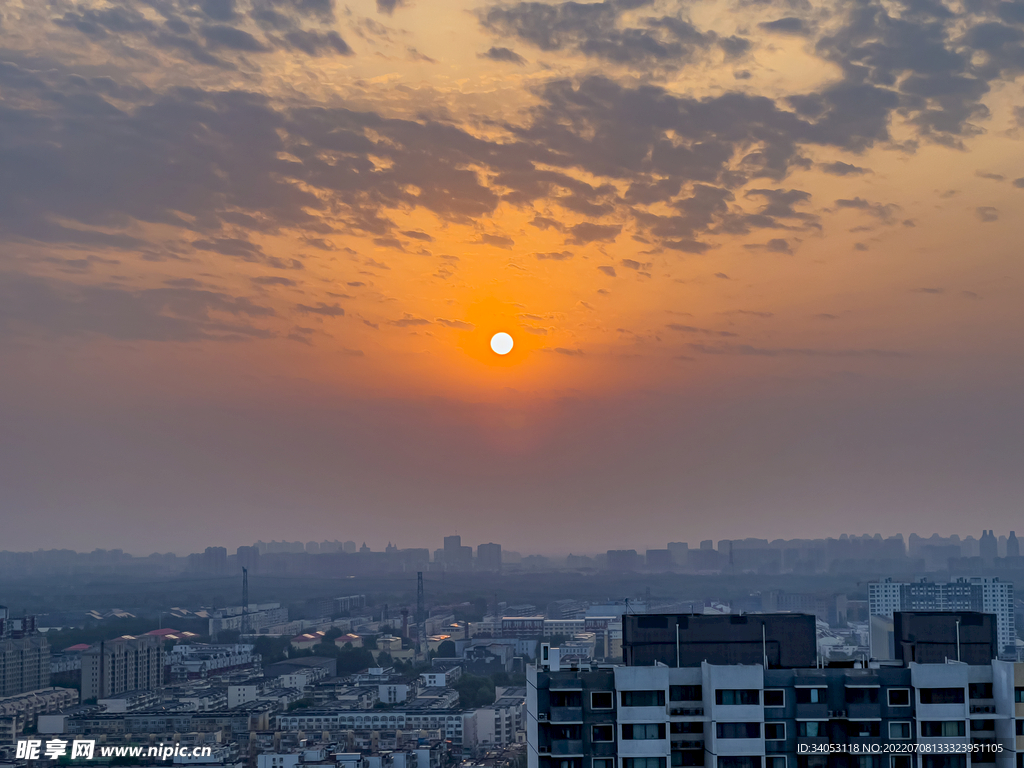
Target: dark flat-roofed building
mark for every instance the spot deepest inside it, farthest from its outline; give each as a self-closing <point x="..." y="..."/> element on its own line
<point x="933" y="637"/>
<point x="787" y="640"/>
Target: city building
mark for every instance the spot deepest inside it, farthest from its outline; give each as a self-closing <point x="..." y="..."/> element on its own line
<point x="24" y="656"/>
<point x="123" y="664"/>
<point x="21" y="711"/>
<point x="778" y="640"/>
<point x="698" y="712"/>
<point x="984" y="595"/>
<point x="488" y="557"/>
<point x="935" y="637"/>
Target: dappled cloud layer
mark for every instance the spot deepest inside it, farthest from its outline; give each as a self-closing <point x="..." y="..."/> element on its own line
<point x="669" y="181"/>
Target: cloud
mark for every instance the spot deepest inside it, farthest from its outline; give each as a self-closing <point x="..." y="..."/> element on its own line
<point x="417" y="235"/>
<point x="36" y="306"/>
<point x="635" y="265"/>
<point x="567" y="351"/>
<point x="409" y="321"/>
<point x="555" y="256"/>
<point x="882" y="211"/>
<point x="326" y="310"/>
<point x="498" y="241"/>
<point x="388" y="7"/>
<point x="928" y="290"/>
<point x="589" y="232"/>
<point x="459" y="325"/>
<point x="843" y="169"/>
<point x="789" y="25"/>
<point x="992" y="176"/>
<point x="987" y="213"/>
<point x="272" y="280"/>
<point x="692" y="329"/>
<point x="610" y="271"/>
<point x="593" y="30"/>
<point x="503" y="54"/>
<point x="750" y="313"/>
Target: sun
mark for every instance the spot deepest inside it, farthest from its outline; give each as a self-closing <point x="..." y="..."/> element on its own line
<point x="501" y="343"/>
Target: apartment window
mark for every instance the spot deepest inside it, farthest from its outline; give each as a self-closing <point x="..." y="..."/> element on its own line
<point x="943" y="728"/>
<point x="730" y="697"/>
<point x="1018" y="695"/>
<point x="1020" y="727"/>
<point x="775" y="761"/>
<point x="603" y="733"/>
<point x="861" y="695"/>
<point x="739" y="730"/>
<point x="685" y="693"/>
<point x="643" y="698"/>
<point x="746" y="761"/>
<point x="574" y="732"/>
<point x="811" y="729"/>
<point x="566" y="699"/>
<point x="686" y="727"/>
<point x="689" y="757"/>
<point x="983" y="725"/>
<point x="900" y="761"/>
<point x="899" y="697"/>
<point x="602" y="700"/>
<point x="899" y="730"/>
<point x="774" y="731"/>
<point x="570" y="762"/>
<point x="980" y="690"/>
<point x="775" y="697"/>
<point x="942" y="695"/>
<point x="811" y="695"/>
<point x="864" y="728"/>
<point x="640" y="731"/>
<point x="603" y="762"/>
<point x="643" y="762"/>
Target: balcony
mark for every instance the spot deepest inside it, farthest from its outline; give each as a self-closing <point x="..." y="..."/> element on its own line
<point x="690" y="711"/>
<point x="567" y="714"/>
<point x="687" y="743"/>
<point x="864" y="711"/>
<point x="983" y="709"/>
<point x="566" y="747"/>
<point x="817" y="711"/>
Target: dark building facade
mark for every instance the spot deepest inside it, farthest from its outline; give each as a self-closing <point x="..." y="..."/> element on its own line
<point x="934" y="637"/>
<point x="681" y="640"/>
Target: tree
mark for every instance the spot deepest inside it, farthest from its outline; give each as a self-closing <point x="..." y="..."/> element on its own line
<point x="333" y="633"/>
<point x="446" y="650"/>
<point x="474" y="691"/>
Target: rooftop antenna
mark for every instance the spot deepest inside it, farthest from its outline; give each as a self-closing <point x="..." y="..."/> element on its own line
<point x="245" y="601"/>
<point x="421" y="614"/>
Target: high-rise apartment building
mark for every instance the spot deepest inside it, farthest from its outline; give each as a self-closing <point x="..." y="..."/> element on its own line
<point x="983" y="595"/>
<point x="124" y="664"/>
<point x="24" y="656"/>
<point x="703" y="712"/>
<point x="488" y="557"/>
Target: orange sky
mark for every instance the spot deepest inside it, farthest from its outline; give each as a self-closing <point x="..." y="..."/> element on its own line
<point x="239" y="221"/>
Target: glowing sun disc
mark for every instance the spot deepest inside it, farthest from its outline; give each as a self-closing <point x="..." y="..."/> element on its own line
<point x="501" y="343"/>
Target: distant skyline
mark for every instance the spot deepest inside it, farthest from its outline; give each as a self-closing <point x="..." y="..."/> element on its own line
<point x="760" y="260"/>
<point x="640" y="548"/>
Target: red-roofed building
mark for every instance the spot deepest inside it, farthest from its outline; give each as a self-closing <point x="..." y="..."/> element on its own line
<point x="308" y="640"/>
